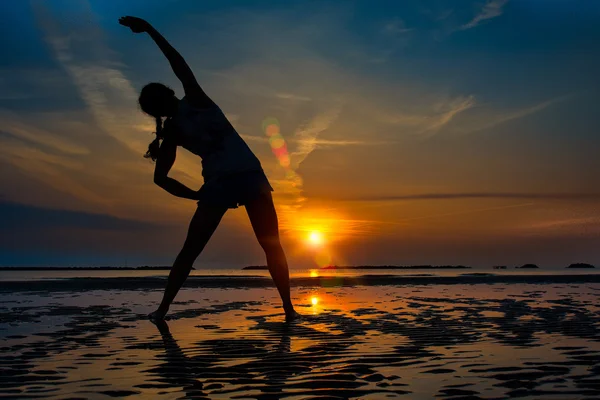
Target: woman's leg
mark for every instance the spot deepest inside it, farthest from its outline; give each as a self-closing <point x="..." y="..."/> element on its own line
<point x="203" y="224"/>
<point x="263" y="218"/>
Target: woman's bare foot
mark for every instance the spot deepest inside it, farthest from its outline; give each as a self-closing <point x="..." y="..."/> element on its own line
<point x="292" y="316"/>
<point x="158" y="315"/>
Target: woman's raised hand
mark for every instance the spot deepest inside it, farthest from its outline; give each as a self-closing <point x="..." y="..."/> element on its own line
<point x="137" y="25"/>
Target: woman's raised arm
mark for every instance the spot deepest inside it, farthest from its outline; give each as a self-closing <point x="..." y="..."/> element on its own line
<point x="182" y="70"/>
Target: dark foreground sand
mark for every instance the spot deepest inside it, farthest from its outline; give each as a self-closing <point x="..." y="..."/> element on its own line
<point x="459" y="341"/>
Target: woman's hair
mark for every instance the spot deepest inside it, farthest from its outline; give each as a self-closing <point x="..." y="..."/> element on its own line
<point x="153" y="101"/>
<point x="154" y="146"/>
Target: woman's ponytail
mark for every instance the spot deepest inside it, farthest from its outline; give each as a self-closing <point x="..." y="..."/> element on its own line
<point x="154" y="146"/>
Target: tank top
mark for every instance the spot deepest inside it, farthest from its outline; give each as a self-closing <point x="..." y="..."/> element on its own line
<point x="207" y="133"/>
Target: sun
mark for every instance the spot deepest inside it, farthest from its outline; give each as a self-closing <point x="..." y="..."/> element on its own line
<point x="316" y="238"/>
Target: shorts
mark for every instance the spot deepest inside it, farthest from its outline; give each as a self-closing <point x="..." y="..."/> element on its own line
<point x="234" y="190"/>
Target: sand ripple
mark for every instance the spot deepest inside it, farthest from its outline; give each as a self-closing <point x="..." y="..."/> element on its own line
<point x="436" y="341"/>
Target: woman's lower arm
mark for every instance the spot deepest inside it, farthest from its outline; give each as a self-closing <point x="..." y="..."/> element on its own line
<point x="177" y="188"/>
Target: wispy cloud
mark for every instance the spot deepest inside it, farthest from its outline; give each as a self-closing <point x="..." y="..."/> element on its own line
<point x="579" y="226"/>
<point x="527" y="111"/>
<point x="307" y="135"/>
<point x="322" y="143"/>
<point x="90" y="158"/>
<point x="436" y="117"/>
<point x="478" y="195"/>
<point x="44" y="156"/>
<point x="306" y="138"/>
<point x="396" y="26"/>
<point x="24" y="217"/>
<point x="41" y="169"/>
<point x="450" y="110"/>
<point x="13" y="149"/>
<point x="472" y="211"/>
<point x="487" y="121"/>
<point x="491" y="9"/>
<point x="567" y="222"/>
<point x="291" y="96"/>
<point x="109" y="95"/>
<point x="15" y="126"/>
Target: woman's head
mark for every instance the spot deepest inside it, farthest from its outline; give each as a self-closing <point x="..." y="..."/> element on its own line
<point x="158" y="100"/>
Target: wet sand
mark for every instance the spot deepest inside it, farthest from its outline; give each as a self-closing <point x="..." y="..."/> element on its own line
<point x="419" y="341"/>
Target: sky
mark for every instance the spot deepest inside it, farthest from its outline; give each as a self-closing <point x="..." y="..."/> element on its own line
<point x="419" y="132"/>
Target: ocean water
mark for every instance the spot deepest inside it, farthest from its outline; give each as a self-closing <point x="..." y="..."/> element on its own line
<point x="6" y="276"/>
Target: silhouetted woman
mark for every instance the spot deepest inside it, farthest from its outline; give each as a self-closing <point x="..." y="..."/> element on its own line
<point x="232" y="174"/>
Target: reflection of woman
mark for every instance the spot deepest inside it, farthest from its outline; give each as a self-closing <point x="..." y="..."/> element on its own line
<point x="275" y="367"/>
<point x="233" y="175"/>
<point x="179" y="370"/>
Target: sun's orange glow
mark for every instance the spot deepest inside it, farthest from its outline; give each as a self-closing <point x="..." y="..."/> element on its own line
<point x="323" y="258"/>
<point x="314" y="300"/>
<point x="321" y="226"/>
<point x="316" y="238"/>
<point x="314" y="273"/>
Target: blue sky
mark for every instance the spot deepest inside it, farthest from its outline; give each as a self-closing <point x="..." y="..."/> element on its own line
<point x="419" y="131"/>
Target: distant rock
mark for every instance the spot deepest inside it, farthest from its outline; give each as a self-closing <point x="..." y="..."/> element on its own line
<point x="499" y="267"/>
<point x="581" y="265"/>
<point x="528" y="266"/>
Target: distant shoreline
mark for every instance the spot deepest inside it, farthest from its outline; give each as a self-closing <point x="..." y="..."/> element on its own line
<point x="83" y="268"/>
<point x="249" y="268"/>
<point x="265" y="268"/>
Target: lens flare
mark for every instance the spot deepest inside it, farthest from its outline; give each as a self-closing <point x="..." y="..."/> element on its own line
<point x="270" y="121"/>
<point x="277" y="142"/>
<point x="284" y="161"/>
<point x="316" y="230"/>
<point x="272" y="130"/>
<point x="278" y="145"/>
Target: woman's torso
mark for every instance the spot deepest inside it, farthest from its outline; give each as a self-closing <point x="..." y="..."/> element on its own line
<point x="207" y="133"/>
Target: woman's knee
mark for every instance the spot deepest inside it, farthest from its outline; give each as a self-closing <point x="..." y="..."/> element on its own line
<point x="189" y="253"/>
<point x="270" y="244"/>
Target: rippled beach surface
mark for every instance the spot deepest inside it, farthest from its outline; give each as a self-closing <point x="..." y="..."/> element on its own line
<point x="460" y="341"/>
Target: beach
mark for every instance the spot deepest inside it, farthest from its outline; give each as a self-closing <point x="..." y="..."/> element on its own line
<point x="364" y="338"/>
